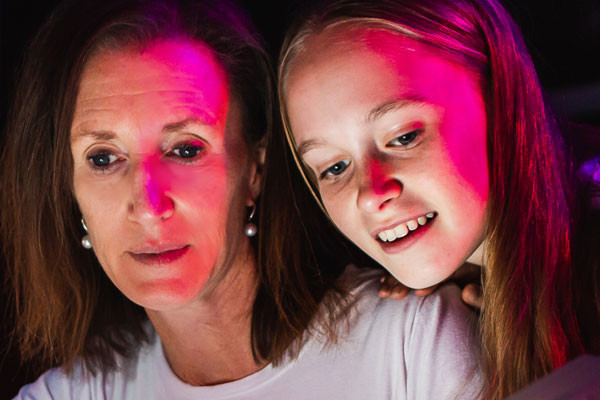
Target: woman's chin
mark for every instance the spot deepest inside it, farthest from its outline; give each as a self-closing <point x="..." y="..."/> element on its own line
<point x="165" y="294"/>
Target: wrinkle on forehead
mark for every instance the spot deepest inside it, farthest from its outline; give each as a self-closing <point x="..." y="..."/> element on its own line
<point x="183" y="71"/>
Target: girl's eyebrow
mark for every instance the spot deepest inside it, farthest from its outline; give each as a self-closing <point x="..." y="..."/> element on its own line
<point x="308" y="145"/>
<point x="394" y="104"/>
<point x="376" y="113"/>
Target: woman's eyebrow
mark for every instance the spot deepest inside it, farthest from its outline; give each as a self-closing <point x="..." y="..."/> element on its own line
<point x="180" y="125"/>
<point x="394" y="104"/>
<point x="96" y="135"/>
<point x="168" y="128"/>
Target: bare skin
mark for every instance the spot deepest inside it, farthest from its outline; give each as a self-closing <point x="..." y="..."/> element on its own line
<point x="222" y="321"/>
<point x="468" y="277"/>
<point x="162" y="177"/>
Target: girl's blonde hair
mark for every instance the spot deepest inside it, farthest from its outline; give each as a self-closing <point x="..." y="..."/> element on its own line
<point x="528" y="321"/>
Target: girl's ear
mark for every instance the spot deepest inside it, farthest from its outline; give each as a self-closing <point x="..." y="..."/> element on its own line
<point x="257" y="163"/>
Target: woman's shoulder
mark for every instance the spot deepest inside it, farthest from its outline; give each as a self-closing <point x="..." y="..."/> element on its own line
<point x="59" y="383"/>
<point x="81" y="383"/>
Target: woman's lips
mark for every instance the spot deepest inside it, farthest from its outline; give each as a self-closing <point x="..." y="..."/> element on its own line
<point x="166" y="257"/>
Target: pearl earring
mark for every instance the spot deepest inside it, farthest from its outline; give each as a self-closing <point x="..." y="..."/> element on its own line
<point x="85" y="241"/>
<point x="250" y="228"/>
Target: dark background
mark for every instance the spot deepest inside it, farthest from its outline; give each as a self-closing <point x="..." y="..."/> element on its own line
<point x="563" y="38"/>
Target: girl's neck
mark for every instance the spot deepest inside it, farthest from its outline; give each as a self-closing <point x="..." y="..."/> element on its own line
<point x="478" y="256"/>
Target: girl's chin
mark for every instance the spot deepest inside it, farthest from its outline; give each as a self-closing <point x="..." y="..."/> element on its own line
<point x="418" y="277"/>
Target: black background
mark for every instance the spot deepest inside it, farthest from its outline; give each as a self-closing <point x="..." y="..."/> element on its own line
<point x="563" y="37"/>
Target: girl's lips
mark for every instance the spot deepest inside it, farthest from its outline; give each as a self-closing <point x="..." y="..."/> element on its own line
<point x="165" y="257"/>
<point x="402" y="244"/>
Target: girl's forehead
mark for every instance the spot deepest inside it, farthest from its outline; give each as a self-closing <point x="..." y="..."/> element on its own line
<point x="342" y="38"/>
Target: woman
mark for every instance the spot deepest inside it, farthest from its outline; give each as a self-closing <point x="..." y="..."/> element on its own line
<point x="132" y="172"/>
<point x="420" y="128"/>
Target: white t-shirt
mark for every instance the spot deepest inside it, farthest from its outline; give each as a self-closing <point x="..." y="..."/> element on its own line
<point x="414" y="348"/>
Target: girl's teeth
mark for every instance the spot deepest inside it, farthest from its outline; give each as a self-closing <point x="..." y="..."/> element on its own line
<point x="401" y="230"/>
<point x="412" y="224"/>
<point x="391" y="236"/>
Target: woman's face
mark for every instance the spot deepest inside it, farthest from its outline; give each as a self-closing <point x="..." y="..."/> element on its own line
<point x="396" y="137"/>
<point x="161" y="171"/>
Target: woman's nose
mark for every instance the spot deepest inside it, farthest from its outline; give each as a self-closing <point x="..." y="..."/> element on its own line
<point x="377" y="188"/>
<point x="150" y="200"/>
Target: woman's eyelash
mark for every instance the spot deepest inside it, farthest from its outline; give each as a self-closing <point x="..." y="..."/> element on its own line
<point x="188" y="152"/>
<point x="406" y="139"/>
<point x="103" y="161"/>
<point x="336" y="169"/>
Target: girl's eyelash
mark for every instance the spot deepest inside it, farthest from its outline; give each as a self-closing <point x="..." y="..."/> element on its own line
<point x="406" y="140"/>
<point x="335" y="170"/>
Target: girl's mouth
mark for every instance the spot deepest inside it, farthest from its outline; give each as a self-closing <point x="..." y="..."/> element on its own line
<point x="404" y="235"/>
<point x="405" y="228"/>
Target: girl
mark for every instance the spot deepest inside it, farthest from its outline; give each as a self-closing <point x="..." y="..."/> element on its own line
<point x="420" y="128"/>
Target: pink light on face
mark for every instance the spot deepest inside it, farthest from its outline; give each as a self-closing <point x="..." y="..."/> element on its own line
<point x="378" y="189"/>
<point x="155" y="197"/>
<point x="157" y="183"/>
<point x="425" y="78"/>
<point x="410" y="126"/>
<point x="183" y="58"/>
<point x="382" y="183"/>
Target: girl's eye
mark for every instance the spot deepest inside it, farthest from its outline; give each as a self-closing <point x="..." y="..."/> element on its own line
<point x="336" y="169"/>
<point x="102" y="161"/>
<point x="188" y="151"/>
<point x="406" y="139"/>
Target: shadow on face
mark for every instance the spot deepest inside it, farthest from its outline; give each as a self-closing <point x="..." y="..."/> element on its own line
<point x="396" y="137"/>
<point x="161" y="171"/>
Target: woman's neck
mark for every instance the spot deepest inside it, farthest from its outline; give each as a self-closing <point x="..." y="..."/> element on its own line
<point x="208" y="341"/>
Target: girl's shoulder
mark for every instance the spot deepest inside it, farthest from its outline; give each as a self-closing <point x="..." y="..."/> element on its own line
<point x="434" y="337"/>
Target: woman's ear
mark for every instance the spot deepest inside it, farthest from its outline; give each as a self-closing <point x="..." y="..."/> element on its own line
<point x="257" y="163"/>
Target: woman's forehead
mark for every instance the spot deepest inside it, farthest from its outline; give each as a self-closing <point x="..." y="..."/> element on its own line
<point x="167" y="74"/>
<point x="170" y="62"/>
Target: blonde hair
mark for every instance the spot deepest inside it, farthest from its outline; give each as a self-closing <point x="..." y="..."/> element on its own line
<point x="527" y="325"/>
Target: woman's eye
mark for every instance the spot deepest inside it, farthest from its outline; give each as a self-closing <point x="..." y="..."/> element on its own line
<point x="102" y="161"/>
<point x="188" y="151"/>
<point x="405" y="139"/>
<point x="336" y="169"/>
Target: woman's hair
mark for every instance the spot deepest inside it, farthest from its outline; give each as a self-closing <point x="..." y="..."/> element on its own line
<point x="528" y="319"/>
<point x="64" y="305"/>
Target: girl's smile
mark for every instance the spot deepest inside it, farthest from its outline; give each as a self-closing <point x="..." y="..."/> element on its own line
<point x="395" y="138"/>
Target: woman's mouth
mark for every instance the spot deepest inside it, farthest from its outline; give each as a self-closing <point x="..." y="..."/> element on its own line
<point x="405" y="234"/>
<point x="165" y="257"/>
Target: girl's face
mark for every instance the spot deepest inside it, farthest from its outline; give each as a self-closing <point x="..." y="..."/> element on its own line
<point x="396" y="138"/>
<point x="161" y="171"/>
